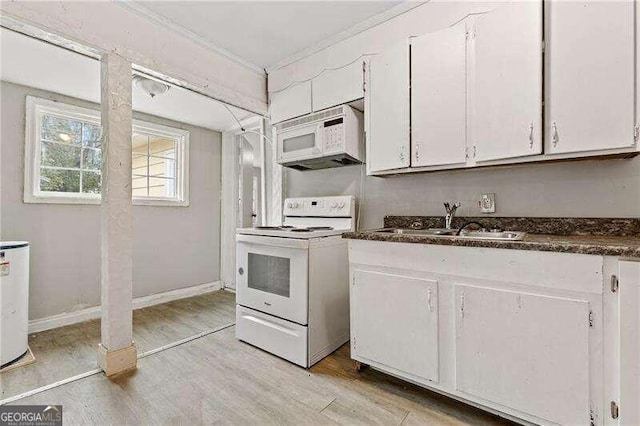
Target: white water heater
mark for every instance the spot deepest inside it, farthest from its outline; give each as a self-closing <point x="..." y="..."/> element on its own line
<point x="14" y="300"/>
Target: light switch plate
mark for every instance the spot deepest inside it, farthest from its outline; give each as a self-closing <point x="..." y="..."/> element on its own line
<point x="488" y="203"/>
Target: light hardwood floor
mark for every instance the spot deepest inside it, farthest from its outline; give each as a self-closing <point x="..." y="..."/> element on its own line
<point x="68" y="351"/>
<point x="218" y="379"/>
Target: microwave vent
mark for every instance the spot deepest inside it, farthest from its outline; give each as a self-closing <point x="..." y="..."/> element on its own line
<point x="339" y="160"/>
<point x="311" y="118"/>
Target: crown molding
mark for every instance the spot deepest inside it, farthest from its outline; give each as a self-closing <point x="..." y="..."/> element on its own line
<point x="354" y="30"/>
<point x="323" y="44"/>
<point x="178" y="29"/>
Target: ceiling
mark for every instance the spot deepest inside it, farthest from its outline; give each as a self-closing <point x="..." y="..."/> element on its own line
<point x="38" y="64"/>
<point x="261" y="32"/>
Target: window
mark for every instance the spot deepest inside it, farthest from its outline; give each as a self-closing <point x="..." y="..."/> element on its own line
<point x="63" y="157"/>
<point x="154" y="165"/>
<point x="69" y="153"/>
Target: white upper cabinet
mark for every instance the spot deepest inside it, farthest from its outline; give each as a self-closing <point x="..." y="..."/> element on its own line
<point x="340" y="86"/>
<point x="387" y="109"/>
<point x="438" y="98"/>
<point x="590" y="76"/>
<point x="506" y="115"/>
<point x="291" y="102"/>
<point x="332" y="87"/>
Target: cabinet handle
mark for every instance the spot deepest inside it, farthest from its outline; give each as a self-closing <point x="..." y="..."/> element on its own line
<point x="417" y="151"/>
<point x="554" y="137"/>
<point x="429" y="300"/>
<point x="531" y="135"/>
<point x="461" y="304"/>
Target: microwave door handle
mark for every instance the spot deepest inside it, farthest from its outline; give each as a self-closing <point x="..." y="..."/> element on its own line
<point x="319" y="139"/>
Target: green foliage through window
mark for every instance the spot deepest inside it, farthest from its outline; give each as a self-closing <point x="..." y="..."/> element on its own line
<point x="70" y="155"/>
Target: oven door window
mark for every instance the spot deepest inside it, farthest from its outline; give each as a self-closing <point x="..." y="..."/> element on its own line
<point x="270" y="274"/>
<point x="299" y="143"/>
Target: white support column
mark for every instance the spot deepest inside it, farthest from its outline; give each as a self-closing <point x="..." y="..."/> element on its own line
<point x="116" y="352"/>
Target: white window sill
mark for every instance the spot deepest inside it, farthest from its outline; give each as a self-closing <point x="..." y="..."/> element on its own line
<point x="160" y="202"/>
<point x="60" y="199"/>
<point x="49" y="199"/>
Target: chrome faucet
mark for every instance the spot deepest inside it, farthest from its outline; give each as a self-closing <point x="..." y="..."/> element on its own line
<point x="451" y="213"/>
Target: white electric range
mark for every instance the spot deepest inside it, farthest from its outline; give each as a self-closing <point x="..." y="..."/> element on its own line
<point x="292" y="281"/>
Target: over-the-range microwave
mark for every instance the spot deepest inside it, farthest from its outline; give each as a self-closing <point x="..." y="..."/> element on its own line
<point x="329" y="138"/>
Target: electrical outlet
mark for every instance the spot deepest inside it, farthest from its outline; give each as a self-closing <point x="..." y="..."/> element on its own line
<point x="488" y="203"/>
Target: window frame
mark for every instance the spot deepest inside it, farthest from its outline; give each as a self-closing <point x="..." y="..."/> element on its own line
<point x="37" y="107"/>
<point x="182" y="164"/>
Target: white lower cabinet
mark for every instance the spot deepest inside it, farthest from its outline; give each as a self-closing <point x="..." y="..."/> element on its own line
<point x="532" y="336"/>
<point x="525" y="351"/>
<point x="386" y="322"/>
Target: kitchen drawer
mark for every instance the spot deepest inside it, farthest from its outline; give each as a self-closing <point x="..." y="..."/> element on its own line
<point x="285" y="339"/>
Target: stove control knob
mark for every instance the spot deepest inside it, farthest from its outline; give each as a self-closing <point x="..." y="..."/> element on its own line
<point x="294" y="205"/>
<point x="290" y="205"/>
<point x="341" y="205"/>
<point x="334" y="205"/>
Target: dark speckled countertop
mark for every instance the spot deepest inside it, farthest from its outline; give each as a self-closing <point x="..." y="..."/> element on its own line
<point x="603" y="237"/>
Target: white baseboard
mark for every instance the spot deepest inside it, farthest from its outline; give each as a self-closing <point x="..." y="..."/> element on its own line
<point x="94" y="312"/>
<point x="181" y="293"/>
<point x="229" y="287"/>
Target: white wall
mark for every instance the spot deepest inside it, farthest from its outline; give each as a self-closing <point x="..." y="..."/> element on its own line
<point x="109" y="27"/>
<point x="174" y="247"/>
<point x="608" y="188"/>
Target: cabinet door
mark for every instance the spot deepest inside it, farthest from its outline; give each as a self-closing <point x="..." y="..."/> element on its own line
<point x="507" y="81"/>
<point x="394" y="322"/>
<point x="336" y="87"/>
<point x="524" y="351"/>
<point x="291" y="102"/>
<point x="590" y="76"/>
<point x="387" y="109"/>
<point x="438" y="98"/>
<point x="629" y="341"/>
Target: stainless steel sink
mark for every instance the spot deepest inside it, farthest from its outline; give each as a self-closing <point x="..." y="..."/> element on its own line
<point x="492" y="235"/>
<point x="431" y="231"/>
<point x="451" y="233"/>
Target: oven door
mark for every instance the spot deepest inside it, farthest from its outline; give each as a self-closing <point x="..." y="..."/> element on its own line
<point x="272" y="277"/>
<point x="301" y="143"/>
